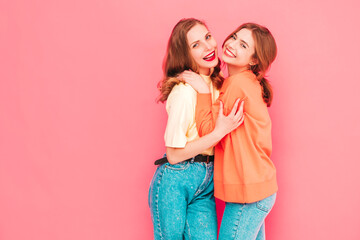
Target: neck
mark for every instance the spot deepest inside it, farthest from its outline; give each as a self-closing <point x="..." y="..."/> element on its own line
<point x="232" y="70"/>
<point x="204" y="71"/>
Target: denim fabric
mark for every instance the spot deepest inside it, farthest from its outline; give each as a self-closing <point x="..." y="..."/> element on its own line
<point x="182" y="203"/>
<point x="246" y="221"/>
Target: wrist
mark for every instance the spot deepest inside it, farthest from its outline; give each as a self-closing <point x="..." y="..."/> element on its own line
<point x="218" y="134"/>
<point x="204" y="91"/>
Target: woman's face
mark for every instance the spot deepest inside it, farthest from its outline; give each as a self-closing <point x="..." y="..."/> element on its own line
<point x="239" y="49"/>
<point x="203" y="48"/>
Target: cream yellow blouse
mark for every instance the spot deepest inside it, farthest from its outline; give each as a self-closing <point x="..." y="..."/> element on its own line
<point x="180" y="106"/>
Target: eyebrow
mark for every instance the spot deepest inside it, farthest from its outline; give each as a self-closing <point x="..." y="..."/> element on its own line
<point x="241" y="40"/>
<point x="244" y="42"/>
<point x="199" y="40"/>
<point x="194" y="42"/>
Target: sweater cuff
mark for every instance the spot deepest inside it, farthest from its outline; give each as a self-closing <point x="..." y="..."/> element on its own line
<point x="204" y="99"/>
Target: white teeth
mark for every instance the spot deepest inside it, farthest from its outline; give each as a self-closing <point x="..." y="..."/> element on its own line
<point x="210" y="56"/>
<point x="229" y="53"/>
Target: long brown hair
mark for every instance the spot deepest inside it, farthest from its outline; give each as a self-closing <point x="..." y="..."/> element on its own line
<point x="178" y="59"/>
<point x="265" y="54"/>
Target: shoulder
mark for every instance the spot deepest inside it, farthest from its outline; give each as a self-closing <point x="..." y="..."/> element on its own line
<point x="182" y="95"/>
<point x="241" y="82"/>
<point x="240" y="85"/>
<point x="182" y="91"/>
<point x="243" y="78"/>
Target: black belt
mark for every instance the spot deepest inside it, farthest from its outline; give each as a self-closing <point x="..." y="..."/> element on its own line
<point x="198" y="158"/>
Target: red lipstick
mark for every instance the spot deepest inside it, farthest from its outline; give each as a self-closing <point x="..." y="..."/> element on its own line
<point x="210" y="57"/>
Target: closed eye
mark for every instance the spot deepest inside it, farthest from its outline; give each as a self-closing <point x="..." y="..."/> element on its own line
<point x="244" y="44"/>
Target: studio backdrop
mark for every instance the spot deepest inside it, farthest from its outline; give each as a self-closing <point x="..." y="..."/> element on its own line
<point x="80" y="128"/>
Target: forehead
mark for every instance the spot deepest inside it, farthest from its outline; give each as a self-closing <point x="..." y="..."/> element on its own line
<point x="246" y="35"/>
<point x="196" y="33"/>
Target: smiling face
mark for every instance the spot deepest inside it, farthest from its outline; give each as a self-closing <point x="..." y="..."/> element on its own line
<point x="238" y="51"/>
<point x="203" y="48"/>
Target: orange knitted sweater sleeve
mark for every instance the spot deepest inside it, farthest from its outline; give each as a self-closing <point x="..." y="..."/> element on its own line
<point x="207" y="113"/>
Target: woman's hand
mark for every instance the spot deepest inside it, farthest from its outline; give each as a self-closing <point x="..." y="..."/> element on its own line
<point x="225" y="124"/>
<point x="195" y="80"/>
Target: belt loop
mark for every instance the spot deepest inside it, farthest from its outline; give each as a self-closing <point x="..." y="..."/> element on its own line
<point x="207" y="159"/>
<point x="192" y="160"/>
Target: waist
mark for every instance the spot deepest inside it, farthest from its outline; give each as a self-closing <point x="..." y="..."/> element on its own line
<point x="197" y="158"/>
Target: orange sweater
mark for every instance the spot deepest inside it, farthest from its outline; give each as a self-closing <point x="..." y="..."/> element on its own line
<point x="243" y="172"/>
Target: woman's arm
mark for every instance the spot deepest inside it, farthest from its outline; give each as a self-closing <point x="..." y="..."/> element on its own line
<point x="206" y="112"/>
<point x="195" y="80"/>
<point x="224" y="125"/>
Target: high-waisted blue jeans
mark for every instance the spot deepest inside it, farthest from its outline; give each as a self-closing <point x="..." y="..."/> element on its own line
<point x="182" y="202"/>
<point x="245" y="221"/>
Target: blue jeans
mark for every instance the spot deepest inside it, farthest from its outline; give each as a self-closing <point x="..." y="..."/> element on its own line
<point x="246" y="221"/>
<point x="182" y="202"/>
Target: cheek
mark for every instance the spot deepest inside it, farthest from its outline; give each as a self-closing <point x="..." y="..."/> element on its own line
<point x="243" y="54"/>
<point x="214" y="43"/>
<point x="196" y="54"/>
<point x="227" y="42"/>
<point x="249" y="58"/>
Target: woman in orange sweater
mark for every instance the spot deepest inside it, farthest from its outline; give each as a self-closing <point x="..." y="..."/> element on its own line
<point x="244" y="175"/>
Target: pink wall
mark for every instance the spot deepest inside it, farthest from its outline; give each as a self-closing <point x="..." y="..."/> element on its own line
<point x="79" y="127"/>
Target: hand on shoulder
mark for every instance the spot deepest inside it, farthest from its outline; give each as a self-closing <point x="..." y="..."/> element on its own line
<point x="195" y="80"/>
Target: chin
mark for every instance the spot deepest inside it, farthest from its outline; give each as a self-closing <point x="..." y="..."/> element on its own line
<point x="224" y="58"/>
<point x="213" y="64"/>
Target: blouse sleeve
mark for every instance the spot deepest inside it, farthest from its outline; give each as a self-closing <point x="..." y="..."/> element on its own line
<point x="180" y="112"/>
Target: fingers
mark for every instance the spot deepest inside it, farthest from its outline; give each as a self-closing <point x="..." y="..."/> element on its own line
<point x="233" y="110"/>
<point x="192" y="74"/>
<point x="185" y="73"/>
<point x="238" y="123"/>
<point x="241" y="120"/>
<point x="239" y="116"/>
<point x="221" y="109"/>
<point x="240" y="111"/>
<point x="188" y="73"/>
<point x="186" y="77"/>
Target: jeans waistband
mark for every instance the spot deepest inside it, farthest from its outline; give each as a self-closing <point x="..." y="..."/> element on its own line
<point x="197" y="158"/>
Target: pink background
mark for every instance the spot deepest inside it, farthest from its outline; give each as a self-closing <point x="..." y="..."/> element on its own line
<point x="80" y="129"/>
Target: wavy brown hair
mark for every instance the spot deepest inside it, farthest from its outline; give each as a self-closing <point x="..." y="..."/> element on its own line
<point x="265" y="54"/>
<point x="178" y="59"/>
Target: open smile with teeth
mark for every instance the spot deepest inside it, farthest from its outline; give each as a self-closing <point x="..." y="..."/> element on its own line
<point x="210" y="56"/>
<point x="229" y="53"/>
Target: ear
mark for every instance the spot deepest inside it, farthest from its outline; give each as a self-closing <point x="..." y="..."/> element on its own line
<point x="253" y="62"/>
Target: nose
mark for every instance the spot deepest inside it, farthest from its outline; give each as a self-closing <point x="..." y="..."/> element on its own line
<point x="207" y="46"/>
<point x="231" y="44"/>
